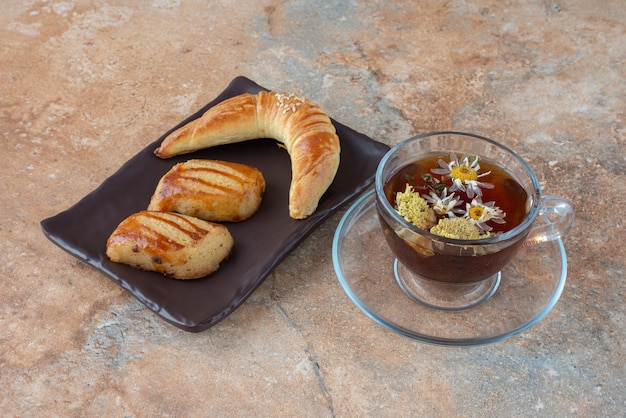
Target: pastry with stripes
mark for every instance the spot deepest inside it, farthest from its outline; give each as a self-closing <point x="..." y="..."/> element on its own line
<point x="178" y="246"/>
<point x="213" y="190"/>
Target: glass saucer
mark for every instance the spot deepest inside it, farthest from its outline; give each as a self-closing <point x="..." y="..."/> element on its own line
<point x="529" y="287"/>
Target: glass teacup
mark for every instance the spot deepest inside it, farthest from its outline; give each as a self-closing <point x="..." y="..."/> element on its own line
<point x="452" y="273"/>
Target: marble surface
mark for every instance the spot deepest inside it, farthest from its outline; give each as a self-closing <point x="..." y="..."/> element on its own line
<point x="86" y="85"/>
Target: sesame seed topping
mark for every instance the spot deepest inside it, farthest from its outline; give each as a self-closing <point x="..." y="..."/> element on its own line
<point x="288" y="102"/>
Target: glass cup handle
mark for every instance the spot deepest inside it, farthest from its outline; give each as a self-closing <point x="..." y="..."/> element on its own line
<point x="560" y="217"/>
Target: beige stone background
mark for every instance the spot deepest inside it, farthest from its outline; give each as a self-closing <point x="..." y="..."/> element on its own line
<point x="85" y="85"/>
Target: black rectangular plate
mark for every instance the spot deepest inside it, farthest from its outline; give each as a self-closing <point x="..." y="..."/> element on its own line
<point x="261" y="242"/>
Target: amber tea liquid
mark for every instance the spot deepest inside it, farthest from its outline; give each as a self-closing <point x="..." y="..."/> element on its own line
<point x="462" y="267"/>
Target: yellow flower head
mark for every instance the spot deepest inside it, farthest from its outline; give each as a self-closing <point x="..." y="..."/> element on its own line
<point x="464" y="174"/>
<point x="480" y="213"/>
<point x="414" y="209"/>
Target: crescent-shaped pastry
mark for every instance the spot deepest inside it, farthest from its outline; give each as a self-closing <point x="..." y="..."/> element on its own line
<point x="306" y="131"/>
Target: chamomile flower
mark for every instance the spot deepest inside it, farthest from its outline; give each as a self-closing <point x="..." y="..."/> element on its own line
<point x="464" y="175"/>
<point x="444" y="205"/>
<point x="480" y="213"/>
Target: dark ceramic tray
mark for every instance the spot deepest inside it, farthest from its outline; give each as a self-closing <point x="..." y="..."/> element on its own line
<point x="261" y="242"/>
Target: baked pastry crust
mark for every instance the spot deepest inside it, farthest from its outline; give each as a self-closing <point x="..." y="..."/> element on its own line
<point x="178" y="246"/>
<point x="306" y="131"/>
<point x="218" y="191"/>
